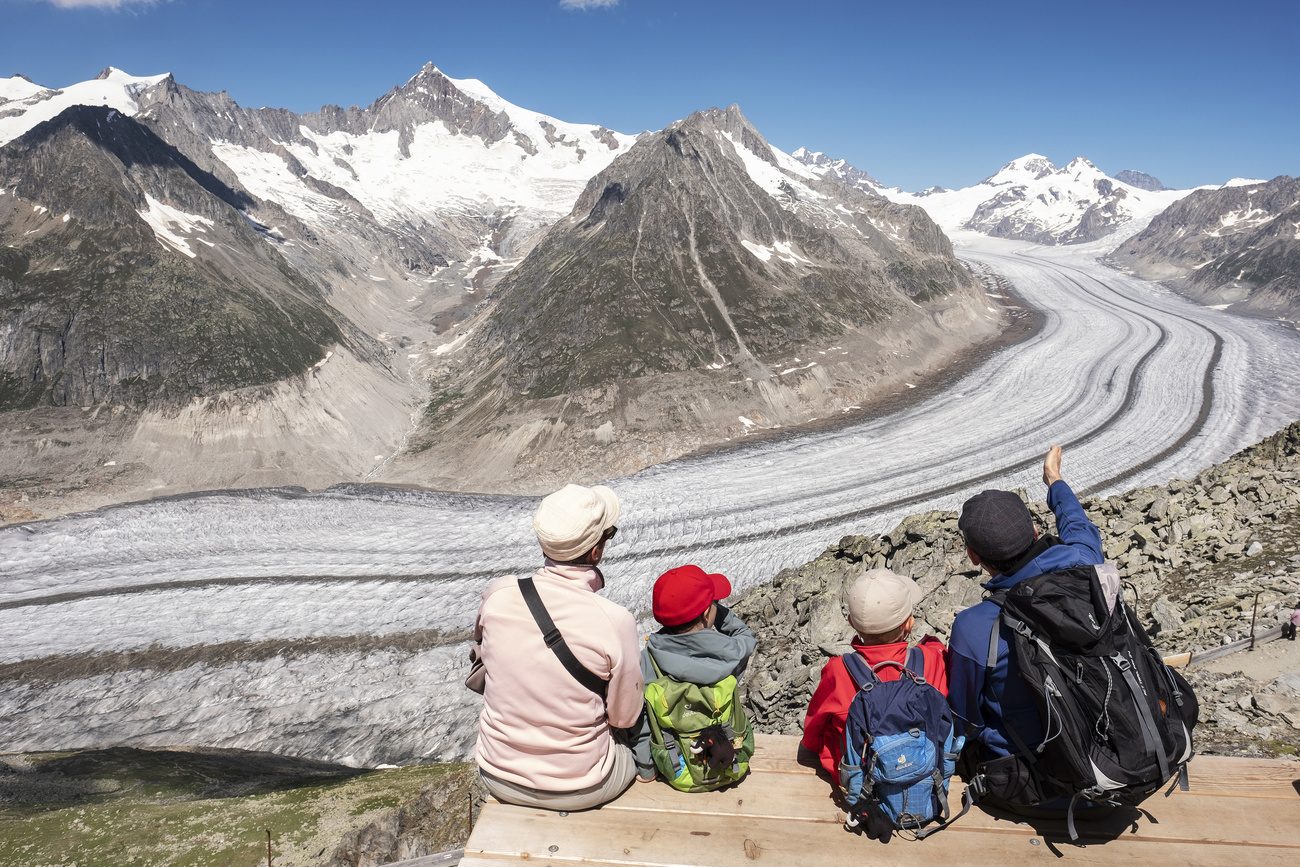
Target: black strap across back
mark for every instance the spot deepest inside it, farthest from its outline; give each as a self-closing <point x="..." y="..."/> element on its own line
<point x="555" y="641"/>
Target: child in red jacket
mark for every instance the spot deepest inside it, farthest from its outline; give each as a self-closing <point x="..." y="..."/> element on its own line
<point x="880" y="612"/>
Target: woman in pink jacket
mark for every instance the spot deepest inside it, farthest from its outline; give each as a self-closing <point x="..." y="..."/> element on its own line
<point x="556" y="690"/>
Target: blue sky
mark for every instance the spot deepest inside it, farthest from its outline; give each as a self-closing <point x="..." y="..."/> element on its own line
<point x="915" y="93"/>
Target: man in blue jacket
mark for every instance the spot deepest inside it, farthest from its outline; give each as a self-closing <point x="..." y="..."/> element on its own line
<point x="994" y="704"/>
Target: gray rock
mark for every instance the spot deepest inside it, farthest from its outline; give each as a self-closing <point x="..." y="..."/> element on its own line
<point x="1273" y="704"/>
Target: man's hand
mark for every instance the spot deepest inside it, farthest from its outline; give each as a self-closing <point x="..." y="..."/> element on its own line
<point x="1052" y="466"/>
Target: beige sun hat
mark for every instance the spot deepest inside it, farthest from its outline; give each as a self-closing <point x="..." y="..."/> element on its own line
<point x="571" y="521"/>
<point x="880" y="600"/>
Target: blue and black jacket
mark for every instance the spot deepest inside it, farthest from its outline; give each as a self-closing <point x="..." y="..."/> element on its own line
<point x="987" y="702"/>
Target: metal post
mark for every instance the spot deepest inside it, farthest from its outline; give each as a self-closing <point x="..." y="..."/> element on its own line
<point x="268" y="847"/>
<point x="1253" y="615"/>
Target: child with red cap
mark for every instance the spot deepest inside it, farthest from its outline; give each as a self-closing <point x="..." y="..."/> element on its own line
<point x="700" y="640"/>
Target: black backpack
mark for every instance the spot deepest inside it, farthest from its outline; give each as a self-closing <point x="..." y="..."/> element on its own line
<point x="1117" y="722"/>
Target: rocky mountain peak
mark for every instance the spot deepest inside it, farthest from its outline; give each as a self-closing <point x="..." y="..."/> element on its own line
<point x="838" y="167"/>
<point x="1140" y="180"/>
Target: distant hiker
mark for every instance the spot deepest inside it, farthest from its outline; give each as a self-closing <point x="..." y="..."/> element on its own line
<point x="695" y="733"/>
<point x="1289" y="627"/>
<point x="1060" y="692"/>
<point x="878" y="722"/>
<point x="562" y="667"/>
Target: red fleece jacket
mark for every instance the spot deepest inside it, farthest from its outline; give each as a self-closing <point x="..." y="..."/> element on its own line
<point x="823" y="727"/>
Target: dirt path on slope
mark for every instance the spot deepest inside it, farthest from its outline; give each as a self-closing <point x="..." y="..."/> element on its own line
<point x="1264" y="663"/>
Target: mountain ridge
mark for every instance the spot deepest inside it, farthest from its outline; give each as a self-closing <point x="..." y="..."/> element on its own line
<point x="702" y="261"/>
<point x="1237" y="245"/>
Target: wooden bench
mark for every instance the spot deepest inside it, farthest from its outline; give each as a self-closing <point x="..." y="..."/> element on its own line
<point x="1239" y="811"/>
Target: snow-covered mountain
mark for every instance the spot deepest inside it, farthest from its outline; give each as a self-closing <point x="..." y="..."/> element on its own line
<point x="135" y="211"/>
<point x="24" y="104"/>
<point x="1238" y="244"/>
<point x="1029" y="199"/>
<point x="434" y="157"/>
<point x="823" y="165"/>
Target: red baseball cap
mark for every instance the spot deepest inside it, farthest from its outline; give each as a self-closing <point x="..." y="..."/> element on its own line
<point x="684" y="593"/>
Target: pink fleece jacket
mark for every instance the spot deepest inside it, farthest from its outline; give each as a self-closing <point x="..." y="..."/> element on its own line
<point x="540" y="727"/>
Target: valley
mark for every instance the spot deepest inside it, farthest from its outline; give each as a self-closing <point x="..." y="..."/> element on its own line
<point x="328" y="624"/>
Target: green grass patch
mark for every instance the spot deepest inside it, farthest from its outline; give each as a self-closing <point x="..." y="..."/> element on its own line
<point x="145" y="807"/>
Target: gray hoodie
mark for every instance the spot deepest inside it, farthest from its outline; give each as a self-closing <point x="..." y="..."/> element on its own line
<point x="702" y="657"/>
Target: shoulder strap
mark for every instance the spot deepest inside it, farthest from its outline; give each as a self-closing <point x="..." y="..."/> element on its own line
<point x="650" y="655"/>
<point x="858" y="670"/>
<point x="991" y="662"/>
<point x="916" y="661"/>
<point x="555" y="641"/>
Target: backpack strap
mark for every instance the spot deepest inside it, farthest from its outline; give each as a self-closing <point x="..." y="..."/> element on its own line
<point x="991" y="662"/>
<point x="1146" y="722"/>
<point x="555" y="641"/>
<point x="1022" y="749"/>
<point x="916" y="661"/>
<point x="858" y="670"/>
<point x="653" y="663"/>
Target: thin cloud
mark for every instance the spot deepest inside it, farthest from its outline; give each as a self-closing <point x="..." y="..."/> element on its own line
<point x="587" y="4"/>
<point x="99" y="4"/>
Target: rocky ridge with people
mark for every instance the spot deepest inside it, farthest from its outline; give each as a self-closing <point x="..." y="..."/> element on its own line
<point x="1195" y="554"/>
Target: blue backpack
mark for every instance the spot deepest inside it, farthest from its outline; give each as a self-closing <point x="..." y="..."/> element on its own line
<point x="900" y="749"/>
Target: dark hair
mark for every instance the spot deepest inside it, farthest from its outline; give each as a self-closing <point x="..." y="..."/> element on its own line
<point x="1002" y="567"/>
<point x="685" y="627"/>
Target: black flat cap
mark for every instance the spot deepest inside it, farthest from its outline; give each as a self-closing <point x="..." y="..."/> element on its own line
<point x="996" y="525"/>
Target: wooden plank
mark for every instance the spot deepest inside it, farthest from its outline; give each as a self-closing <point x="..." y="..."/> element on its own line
<point x="785" y="812"/>
<point x="492" y="860"/>
<point x="638" y="838"/>
<point x="1203" y="656"/>
<point x="805" y="798"/>
<point x="1208" y="775"/>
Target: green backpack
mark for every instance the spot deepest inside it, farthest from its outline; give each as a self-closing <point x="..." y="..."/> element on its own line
<point x="700" y="736"/>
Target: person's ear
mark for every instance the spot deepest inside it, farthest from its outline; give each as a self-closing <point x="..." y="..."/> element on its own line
<point x="974" y="558"/>
<point x="711" y="616"/>
<point x="594" y="556"/>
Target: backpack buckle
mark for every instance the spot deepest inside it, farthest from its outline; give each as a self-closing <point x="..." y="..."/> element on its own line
<point x="1121" y="663"/>
<point x="552" y="637"/>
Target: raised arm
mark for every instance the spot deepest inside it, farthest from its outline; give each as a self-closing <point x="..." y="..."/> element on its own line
<point x="1072" y="523"/>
